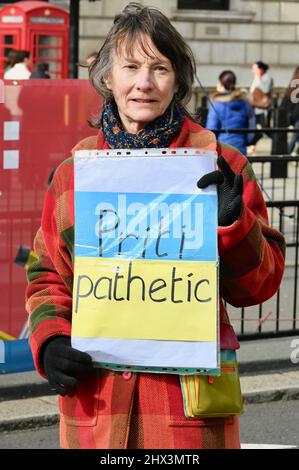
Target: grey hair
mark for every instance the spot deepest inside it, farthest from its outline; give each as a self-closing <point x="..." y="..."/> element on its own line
<point x="134" y="22"/>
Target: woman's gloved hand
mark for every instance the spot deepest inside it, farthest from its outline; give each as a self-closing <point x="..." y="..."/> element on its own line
<point x="230" y="191"/>
<point x="61" y="363"/>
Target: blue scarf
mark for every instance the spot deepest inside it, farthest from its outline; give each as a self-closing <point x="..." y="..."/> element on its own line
<point x="157" y="134"/>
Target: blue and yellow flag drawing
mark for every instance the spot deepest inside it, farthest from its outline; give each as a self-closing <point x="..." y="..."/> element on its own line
<point x="145" y="282"/>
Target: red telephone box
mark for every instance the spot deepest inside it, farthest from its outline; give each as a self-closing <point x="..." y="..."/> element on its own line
<point x="40" y="28"/>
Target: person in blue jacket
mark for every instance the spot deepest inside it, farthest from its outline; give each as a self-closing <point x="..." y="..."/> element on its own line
<point x="230" y="109"/>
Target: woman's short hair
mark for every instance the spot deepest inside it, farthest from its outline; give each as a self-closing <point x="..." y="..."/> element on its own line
<point x="43" y="67"/>
<point x="135" y="21"/>
<point x="228" y="79"/>
<point x="11" y="57"/>
<point x="21" y="55"/>
<point x="261" y="65"/>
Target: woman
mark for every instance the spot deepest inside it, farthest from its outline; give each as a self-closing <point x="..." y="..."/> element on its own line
<point x="146" y="80"/>
<point x="20" y="68"/>
<point x="10" y="59"/>
<point x="263" y="85"/>
<point x="42" y="71"/>
<point x="230" y="110"/>
<point x="290" y="103"/>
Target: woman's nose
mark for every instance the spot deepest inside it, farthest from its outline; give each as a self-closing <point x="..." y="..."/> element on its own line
<point x="144" y="80"/>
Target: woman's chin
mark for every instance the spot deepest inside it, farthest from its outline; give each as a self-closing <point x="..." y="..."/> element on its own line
<point x="144" y="117"/>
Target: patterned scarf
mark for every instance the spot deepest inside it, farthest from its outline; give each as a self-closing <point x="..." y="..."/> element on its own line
<point x="159" y="133"/>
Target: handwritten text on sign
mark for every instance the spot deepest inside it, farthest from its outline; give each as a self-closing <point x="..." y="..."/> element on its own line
<point x="145" y="255"/>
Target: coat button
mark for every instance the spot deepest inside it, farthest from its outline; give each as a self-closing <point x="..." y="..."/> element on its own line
<point x="127" y="375"/>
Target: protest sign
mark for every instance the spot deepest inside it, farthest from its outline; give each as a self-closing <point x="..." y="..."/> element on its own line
<point x="145" y="279"/>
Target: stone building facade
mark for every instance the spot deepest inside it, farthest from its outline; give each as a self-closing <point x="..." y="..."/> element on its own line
<point x="232" y="38"/>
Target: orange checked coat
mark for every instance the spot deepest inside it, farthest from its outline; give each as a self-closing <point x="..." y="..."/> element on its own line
<point x="128" y="410"/>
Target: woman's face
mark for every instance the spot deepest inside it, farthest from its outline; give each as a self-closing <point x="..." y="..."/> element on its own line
<point x="219" y="87"/>
<point x="256" y="71"/>
<point x="142" y="84"/>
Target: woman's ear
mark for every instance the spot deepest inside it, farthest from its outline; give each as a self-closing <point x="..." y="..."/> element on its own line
<point x="107" y="82"/>
<point x="175" y="94"/>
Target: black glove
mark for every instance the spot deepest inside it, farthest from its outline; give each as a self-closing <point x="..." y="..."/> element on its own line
<point x="230" y="190"/>
<point x="61" y="363"/>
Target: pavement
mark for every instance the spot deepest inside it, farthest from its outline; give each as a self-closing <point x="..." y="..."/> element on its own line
<point x="269" y="370"/>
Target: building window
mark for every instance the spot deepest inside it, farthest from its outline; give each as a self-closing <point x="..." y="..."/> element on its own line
<point x="203" y="4"/>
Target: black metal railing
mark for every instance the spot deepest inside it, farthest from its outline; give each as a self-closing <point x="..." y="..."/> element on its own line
<point x="278" y="316"/>
<point x="277" y="175"/>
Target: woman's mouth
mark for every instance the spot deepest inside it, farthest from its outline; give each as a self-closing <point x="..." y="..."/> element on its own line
<point x="143" y="101"/>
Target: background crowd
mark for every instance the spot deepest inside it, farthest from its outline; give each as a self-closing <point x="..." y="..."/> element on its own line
<point x="231" y="107"/>
<point x="19" y="67"/>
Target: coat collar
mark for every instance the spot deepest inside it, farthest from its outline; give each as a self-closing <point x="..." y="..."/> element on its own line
<point x="191" y="135"/>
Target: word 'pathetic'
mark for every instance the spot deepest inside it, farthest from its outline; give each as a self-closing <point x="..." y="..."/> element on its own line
<point x="124" y="286"/>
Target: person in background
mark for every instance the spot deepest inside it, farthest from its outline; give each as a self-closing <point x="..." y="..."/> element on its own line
<point x="230" y="109"/>
<point x="91" y="58"/>
<point x="290" y="102"/>
<point x="10" y="59"/>
<point x="41" y="71"/>
<point x="201" y="112"/>
<point x="145" y="79"/>
<point x="20" y="69"/>
<point x="263" y="81"/>
<point x="87" y="63"/>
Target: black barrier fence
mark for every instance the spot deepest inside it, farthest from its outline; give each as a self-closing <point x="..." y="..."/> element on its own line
<point x="278" y="316"/>
<point x="277" y="175"/>
<point x="278" y="135"/>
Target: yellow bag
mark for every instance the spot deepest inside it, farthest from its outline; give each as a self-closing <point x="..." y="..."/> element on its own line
<point x="207" y="396"/>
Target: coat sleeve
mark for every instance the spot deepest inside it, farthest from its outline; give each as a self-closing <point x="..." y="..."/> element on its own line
<point x="213" y="120"/>
<point x="49" y="291"/>
<point x="251" y="252"/>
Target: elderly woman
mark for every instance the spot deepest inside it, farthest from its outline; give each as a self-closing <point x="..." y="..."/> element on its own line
<point x="145" y="72"/>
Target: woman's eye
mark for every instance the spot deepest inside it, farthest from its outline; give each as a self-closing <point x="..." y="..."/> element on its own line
<point x="161" y="68"/>
<point x="130" y="66"/>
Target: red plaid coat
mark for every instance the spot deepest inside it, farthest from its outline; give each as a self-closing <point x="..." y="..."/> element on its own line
<point x="115" y="410"/>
